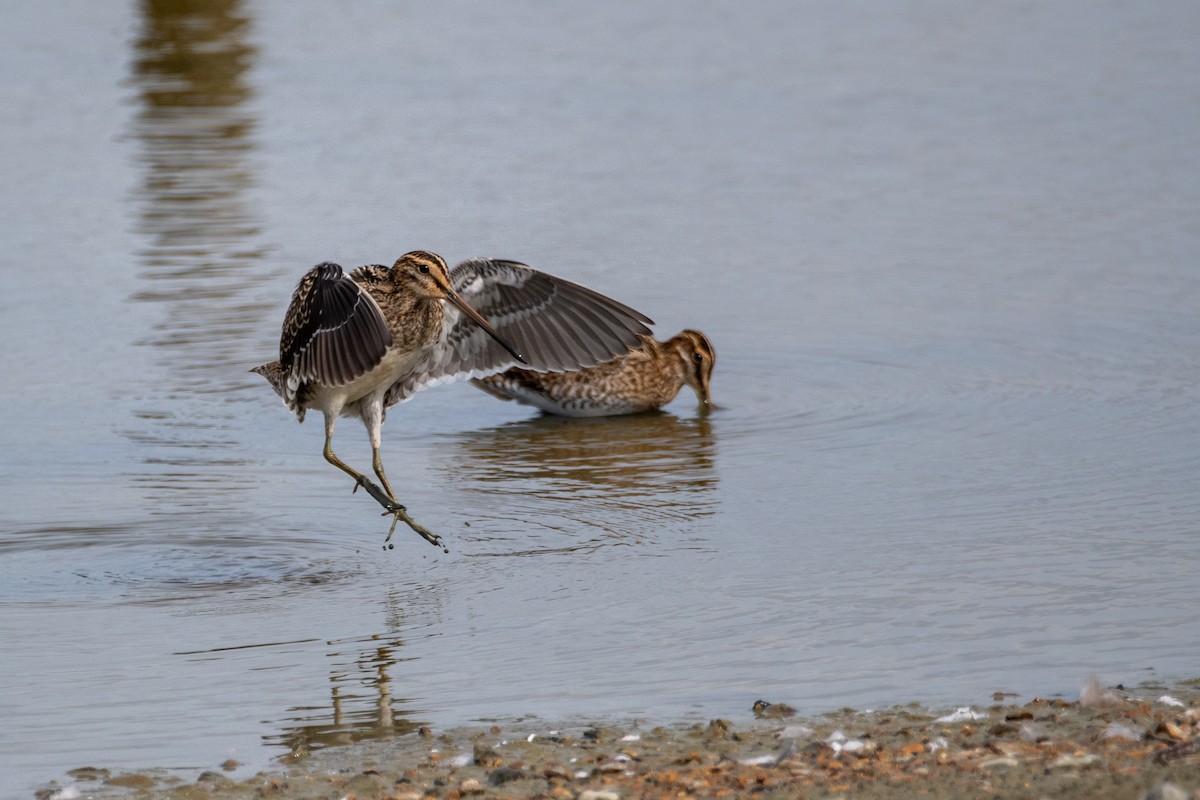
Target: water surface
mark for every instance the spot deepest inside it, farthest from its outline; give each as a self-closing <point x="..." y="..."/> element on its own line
<point x="947" y="256"/>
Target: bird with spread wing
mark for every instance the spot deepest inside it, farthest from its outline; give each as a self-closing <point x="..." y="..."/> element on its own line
<point x="355" y="344"/>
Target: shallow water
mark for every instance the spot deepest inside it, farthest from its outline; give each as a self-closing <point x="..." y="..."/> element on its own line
<point x="947" y="256"/>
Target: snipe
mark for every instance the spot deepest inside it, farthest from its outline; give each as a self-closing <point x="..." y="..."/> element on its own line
<point x="646" y="378"/>
<point x="354" y="345"/>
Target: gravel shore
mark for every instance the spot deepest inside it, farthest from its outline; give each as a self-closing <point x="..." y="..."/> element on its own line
<point x="1111" y="743"/>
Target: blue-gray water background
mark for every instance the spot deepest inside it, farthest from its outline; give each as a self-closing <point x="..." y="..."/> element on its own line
<point x="948" y="253"/>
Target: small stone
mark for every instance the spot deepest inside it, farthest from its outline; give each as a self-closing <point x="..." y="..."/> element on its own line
<point x="554" y="772"/>
<point x="485" y="756"/>
<point x="1003" y="762"/>
<point x="1171" y="729"/>
<point x="961" y="714"/>
<point x="471" y="786"/>
<point x="795" y="732"/>
<point x="1094" y="694"/>
<point x="1069" y="761"/>
<point x="364" y="784"/>
<point x="1012" y="749"/>
<point x="1166" y="791"/>
<point x="210" y="778"/>
<point x="88" y="773"/>
<point x="505" y="775"/>
<point x="131" y="781"/>
<point x="1116" y="730"/>
<point x="65" y="793"/>
<point x="717" y="729"/>
<point x="599" y="794"/>
<point x="230" y="764"/>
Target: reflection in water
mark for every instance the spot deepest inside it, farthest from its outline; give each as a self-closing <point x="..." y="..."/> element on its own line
<point x="600" y="481"/>
<point x="361" y="702"/>
<point x="199" y="263"/>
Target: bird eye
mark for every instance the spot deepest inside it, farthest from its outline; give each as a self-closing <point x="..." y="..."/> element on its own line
<point x="698" y="358"/>
<point x="423" y="269"/>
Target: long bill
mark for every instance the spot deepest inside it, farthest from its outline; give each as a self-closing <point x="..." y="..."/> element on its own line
<point x="482" y="322"/>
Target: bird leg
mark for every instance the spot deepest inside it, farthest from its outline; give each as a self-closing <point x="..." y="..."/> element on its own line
<point x="399" y="511"/>
<point x="377" y="464"/>
<point x="388" y="500"/>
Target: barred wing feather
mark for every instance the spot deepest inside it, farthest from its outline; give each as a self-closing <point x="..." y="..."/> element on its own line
<point x="556" y="324"/>
<point x="333" y="332"/>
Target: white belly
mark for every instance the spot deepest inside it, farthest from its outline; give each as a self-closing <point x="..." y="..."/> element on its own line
<point x="570" y="406"/>
<point x="347" y="400"/>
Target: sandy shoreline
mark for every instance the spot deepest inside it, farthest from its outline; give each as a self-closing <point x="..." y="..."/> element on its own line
<point x="1112" y="743"/>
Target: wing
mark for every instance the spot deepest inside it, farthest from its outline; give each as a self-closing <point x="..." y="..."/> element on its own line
<point x="333" y="333"/>
<point x="556" y="324"/>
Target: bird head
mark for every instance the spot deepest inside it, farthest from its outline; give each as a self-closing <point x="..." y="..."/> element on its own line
<point x="698" y="358"/>
<point x="425" y="274"/>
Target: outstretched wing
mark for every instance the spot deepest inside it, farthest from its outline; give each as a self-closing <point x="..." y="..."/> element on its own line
<point x="557" y="326"/>
<point x="333" y="333"/>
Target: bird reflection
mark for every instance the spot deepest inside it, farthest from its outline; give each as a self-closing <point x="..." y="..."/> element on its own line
<point x="191" y="71"/>
<point x="199" y="263"/>
<point x="642" y="475"/>
<point x="361" y="703"/>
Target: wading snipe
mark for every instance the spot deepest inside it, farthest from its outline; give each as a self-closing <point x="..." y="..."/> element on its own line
<point x="353" y="345"/>
<point x="647" y="377"/>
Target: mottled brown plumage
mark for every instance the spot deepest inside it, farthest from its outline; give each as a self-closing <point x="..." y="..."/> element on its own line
<point x="353" y="345"/>
<point x="646" y="378"/>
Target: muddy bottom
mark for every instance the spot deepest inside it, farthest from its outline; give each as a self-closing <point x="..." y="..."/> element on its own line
<point x="1111" y="743"/>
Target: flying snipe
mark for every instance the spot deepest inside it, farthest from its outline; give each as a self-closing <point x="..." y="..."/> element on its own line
<point x="647" y="377"/>
<point x="354" y="345"/>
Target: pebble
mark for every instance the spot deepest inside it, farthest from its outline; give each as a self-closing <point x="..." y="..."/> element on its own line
<point x="963" y="714"/>
<point x="795" y="732"/>
<point x="210" y="777"/>
<point x="1116" y="730"/>
<point x="88" y="773"/>
<point x="131" y="781"/>
<point x="758" y="761"/>
<point x="1094" y="694"/>
<point x="1068" y="761"/>
<point x="1171" y="729"/>
<point x="1043" y="744"/>
<point x="505" y="775"/>
<point x="598" y="794"/>
<point x="1166" y="791"/>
